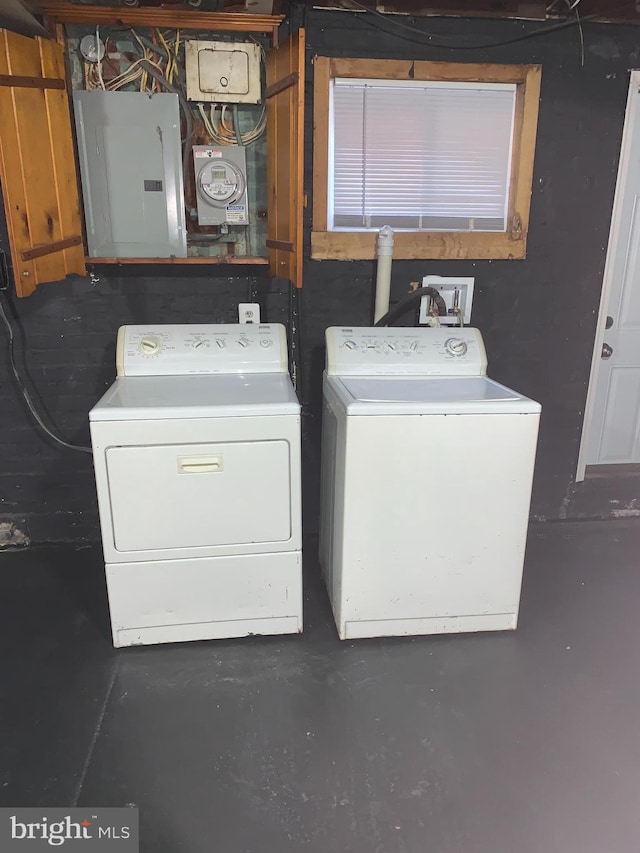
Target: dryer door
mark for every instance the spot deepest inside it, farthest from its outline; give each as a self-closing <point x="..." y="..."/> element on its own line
<point x="165" y="497"/>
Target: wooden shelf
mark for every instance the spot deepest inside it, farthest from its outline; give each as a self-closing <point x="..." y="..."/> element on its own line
<point x="145" y="16"/>
<point x="232" y="259"/>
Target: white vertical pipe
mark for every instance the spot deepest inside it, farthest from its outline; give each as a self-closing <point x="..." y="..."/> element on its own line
<point x="383" y="276"/>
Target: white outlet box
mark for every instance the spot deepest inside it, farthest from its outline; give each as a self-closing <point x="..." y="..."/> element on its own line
<point x="448" y="287"/>
<point x="248" y="312"/>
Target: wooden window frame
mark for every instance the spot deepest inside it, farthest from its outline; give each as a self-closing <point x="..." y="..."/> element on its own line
<point x="361" y="245"/>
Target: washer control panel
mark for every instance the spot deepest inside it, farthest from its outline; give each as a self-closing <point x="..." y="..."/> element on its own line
<point x="379" y="351"/>
<point x="200" y="349"/>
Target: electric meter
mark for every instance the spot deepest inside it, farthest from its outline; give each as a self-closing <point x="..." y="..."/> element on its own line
<point x="221" y="185"/>
<point x="222" y="182"/>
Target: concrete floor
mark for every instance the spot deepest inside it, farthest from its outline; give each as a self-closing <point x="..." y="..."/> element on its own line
<point x="515" y="743"/>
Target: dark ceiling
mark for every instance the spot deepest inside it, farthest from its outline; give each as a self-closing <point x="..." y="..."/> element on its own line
<point x="618" y="11"/>
<point x="18" y="15"/>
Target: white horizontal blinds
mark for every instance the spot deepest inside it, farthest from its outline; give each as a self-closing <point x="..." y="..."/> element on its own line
<point x="347" y="156"/>
<point x="429" y="156"/>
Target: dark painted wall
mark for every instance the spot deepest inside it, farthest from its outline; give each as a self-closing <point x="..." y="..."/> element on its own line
<point x="46" y="492"/>
<point x="537" y="316"/>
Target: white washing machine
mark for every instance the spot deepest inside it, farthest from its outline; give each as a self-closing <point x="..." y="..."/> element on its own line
<point x="427" y="467"/>
<point x="196" y="450"/>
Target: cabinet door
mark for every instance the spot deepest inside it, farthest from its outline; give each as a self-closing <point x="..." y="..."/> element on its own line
<point x="167" y="497"/>
<point x="37" y="163"/>
<point x="285" y="134"/>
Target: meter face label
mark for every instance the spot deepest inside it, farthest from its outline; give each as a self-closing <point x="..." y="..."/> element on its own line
<point x="236" y="213"/>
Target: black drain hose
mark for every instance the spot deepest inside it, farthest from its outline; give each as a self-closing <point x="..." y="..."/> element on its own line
<point x="406" y="303"/>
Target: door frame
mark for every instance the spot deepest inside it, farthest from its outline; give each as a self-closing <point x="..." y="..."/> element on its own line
<point x="633" y="105"/>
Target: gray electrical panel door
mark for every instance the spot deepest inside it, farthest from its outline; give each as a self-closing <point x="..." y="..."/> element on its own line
<point x="131" y="170"/>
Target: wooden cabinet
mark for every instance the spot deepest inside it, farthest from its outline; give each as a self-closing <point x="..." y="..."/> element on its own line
<point x="37" y="166"/>
<point x="37" y="169"/>
<point x="285" y="157"/>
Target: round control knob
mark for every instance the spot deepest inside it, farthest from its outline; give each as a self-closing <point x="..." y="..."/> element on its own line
<point x="350" y="344"/>
<point x="243" y="342"/>
<point x="391" y="345"/>
<point x="266" y="342"/>
<point x="221" y="343"/>
<point x="413" y="346"/>
<point x="150" y="345"/>
<point x="199" y="343"/>
<point x="456" y="346"/>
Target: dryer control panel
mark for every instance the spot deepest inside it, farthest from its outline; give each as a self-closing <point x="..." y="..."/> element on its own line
<point x="393" y="351"/>
<point x="167" y="350"/>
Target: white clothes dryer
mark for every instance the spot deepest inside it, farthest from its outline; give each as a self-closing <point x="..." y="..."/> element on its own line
<point x="197" y="459"/>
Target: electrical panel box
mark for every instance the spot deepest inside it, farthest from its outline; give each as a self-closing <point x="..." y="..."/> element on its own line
<point x="131" y="170"/>
<point x="221" y="184"/>
<point x="223" y="72"/>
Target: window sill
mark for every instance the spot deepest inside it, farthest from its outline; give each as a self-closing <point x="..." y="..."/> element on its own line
<point x="213" y="259"/>
<point x="361" y="245"/>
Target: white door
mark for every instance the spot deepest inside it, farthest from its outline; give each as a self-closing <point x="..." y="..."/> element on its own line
<point x="612" y="417"/>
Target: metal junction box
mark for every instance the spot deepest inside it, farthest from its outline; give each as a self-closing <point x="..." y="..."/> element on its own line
<point x="223" y="72"/>
<point x="131" y="169"/>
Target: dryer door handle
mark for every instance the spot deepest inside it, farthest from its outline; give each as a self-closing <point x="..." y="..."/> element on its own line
<point x="199" y="464"/>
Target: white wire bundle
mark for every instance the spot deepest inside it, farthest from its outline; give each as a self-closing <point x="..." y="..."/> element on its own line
<point x="93" y="71"/>
<point x="99" y="62"/>
<point x="222" y="134"/>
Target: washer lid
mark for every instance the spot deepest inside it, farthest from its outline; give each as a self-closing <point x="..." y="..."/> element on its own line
<point x="146" y="398"/>
<point x="429" y="395"/>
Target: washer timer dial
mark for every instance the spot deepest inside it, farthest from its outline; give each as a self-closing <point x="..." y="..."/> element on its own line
<point x="456" y="346"/>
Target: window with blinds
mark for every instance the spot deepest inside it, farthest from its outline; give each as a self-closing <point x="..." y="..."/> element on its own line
<point x="443" y="152"/>
<point x="420" y="155"/>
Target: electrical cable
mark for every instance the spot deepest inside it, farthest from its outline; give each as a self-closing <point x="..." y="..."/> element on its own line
<point x="133" y="72"/>
<point x="99" y="63"/>
<point x="171" y="60"/>
<point x="176" y="55"/>
<point x="386" y="17"/>
<point x="236" y="123"/>
<point x="541" y="31"/>
<point x="152" y="70"/>
<point x="574" y="8"/>
<point x="224" y="135"/>
<point x="146" y="43"/>
<point x="25" y="394"/>
<point x="406" y="302"/>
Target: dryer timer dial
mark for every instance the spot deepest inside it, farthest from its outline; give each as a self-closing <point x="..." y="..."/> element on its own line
<point x="150" y="345"/>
